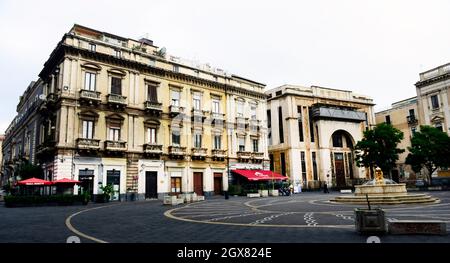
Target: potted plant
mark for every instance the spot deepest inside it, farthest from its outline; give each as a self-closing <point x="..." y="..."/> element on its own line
<point x="85" y="198"/>
<point x="108" y="191"/>
<point x="263" y="192"/>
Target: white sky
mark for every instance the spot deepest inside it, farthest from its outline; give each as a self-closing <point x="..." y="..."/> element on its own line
<point x="376" y="48"/>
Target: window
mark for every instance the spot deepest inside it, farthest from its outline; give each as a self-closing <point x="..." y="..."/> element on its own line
<point x="434" y="102"/>
<point x="114" y="133"/>
<point x="92" y="47"/>
<point x="176" y="137"/>
<point x="117" y="53"/>
<point x="411" y="112"/>
<point x="280" y="124"/>
<point x="175" y="98"/>
<point x="216" y="106"/>
<point x="337" y="139"/>
<point x="253" y="112"/>
<point x="197" y="140"/>
<point x="196" y="101"/>
<point x="152" y="94"/>
<point x="116" y="86"/>
<point x="283" y="164"/>
<point x="255" y="145"/>
<point x="241" y="144"/>
<point x="175" y="184"/>
<point x="300" y="123"/>
<point x="387" y="119"/>
<point x="271" y="162"/>
<point x="217" y="142"/>
<point x="88" y="129"/>
<point x="350" y="165"/>
<point x="314" y="161"/>
<point x="311" y="124"/>
<point x="240" y="109"/>
<point x="303" y="164"/>
<point x="151" y="135"/>
<point x="269" y="126"/>
<point x="176" y="68"/>
<point x="89" y="81"/>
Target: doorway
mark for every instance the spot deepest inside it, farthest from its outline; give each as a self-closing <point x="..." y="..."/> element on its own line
<point x="113" y="178"/>
<point x="86" y="178"/>
<point x="340" y="170"/>
<point x="151" y="181"/>
<point x="198" y="183"/>
<point x="218" y="183"/>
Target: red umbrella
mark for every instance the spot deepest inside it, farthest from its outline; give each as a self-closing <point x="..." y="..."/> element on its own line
<point x="34" y="181"/>
<point x="66" y="181"/>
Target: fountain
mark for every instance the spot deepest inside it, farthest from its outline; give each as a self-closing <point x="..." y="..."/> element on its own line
<point x="383" y="191"/>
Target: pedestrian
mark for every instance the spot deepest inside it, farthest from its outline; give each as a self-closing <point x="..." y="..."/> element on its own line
<point x="325" y="188"/>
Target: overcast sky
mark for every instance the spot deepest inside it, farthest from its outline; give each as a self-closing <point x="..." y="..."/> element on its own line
<point x="376" y="48"/>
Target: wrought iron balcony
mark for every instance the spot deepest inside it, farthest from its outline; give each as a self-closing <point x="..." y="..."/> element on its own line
<point x="244" y="155"/>
<point x="89" y="95"/>
<point x="412" y="119"/>
<point x="47" y="146"/>
<point x="117" y="99"/>
<point x="219" y="153"/>
<point x="88" y="144"/>
<point x="177" y="151"/>
<point x="175" y="110"/>
<point x="115" y="146"/>
<point x="257" y="155"/>
<point x="152" y="148"/>
<point x="322" y="112"/>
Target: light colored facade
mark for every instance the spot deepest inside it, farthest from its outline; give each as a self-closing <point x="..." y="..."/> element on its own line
<point x="123" y="112"/>
<point x="403" y="115"/>
<point x="433" y="97"/>
<point x="3" y="178"/>
<point x="312" y="131"/>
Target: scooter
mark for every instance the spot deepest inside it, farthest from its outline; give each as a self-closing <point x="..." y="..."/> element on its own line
<point x="285" y="191"/>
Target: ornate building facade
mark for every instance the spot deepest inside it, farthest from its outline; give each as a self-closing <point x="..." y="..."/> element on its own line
<point x="123" y="112"/>
<point x="312" y="132"/>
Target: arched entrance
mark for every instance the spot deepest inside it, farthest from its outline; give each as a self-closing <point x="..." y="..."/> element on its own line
<point x="342" y="158"/>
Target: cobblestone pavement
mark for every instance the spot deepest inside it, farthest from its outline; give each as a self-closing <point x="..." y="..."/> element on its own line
<point x="304" y="217"/>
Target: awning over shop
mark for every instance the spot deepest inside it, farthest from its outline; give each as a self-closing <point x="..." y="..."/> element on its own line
<point x="260" y="175"/>
<point x="34" y="181"/>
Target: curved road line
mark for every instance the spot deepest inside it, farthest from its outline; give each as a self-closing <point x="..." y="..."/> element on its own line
<point x="74" y="230"/>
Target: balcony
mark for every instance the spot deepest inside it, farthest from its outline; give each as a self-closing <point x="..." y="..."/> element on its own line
<point x="153" y="108"/>
<point x="45" y="149"/>
<point x="199" y="153"/>
<point x="153" y="149"/>
<point x="175" y="110"/>
<point x="198" y="115"/>
<point x="115" y="146"/>
<point x="117" y="101"/>
<point x="177" y="152"/>
<point x="412" y="120"/>
<point x="321" y="112"/>
<point x="90" y="97"/>
<point x="217" y="118"/>
<point x="258" y="155"/>
<point x="244" y="155"/>
<point x="241" y="123"/>
<point x="51" y="100"/>
<point x="218" y="154"/>
<point x="88" y="144"/>
<point x="255" y="126"/>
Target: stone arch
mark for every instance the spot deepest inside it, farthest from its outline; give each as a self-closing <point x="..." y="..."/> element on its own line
<point x="341" y="156"/>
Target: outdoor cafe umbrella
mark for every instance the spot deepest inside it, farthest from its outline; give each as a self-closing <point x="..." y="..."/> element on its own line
<point x="65" y="185"/>
<point x="34" y="181"/>
<point x="66" y="181"/>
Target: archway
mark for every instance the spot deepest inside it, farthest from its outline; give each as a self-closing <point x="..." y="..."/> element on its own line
<point x="341" y="151"/>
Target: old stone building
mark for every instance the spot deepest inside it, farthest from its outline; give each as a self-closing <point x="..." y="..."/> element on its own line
<point x="123" y="112"/>
<point x="312" y="132"/>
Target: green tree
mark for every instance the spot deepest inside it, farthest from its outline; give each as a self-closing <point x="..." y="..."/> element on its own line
<point x="430" y="149"/>
<point x="379" y="148"/>
<point x="28" y="170"/>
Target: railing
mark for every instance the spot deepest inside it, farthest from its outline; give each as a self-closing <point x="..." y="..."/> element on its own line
<point x="219" y="152"/>
<point x="153" y="105"/>
<point x="198" y="113"/>
<point x="199" y="151"/>
<point x="175" y="109"/>
<point x="115" y="145"/>
<point x="117" y="99"/>
<point x="244" y="155"/>
<point x="152" y="148"/>
<point x="177" y="150"/>
<point x="241" y="123"/>
<point x="258" y="155"/>
<point x="217" y="116"/>
<point x="411" y="119"/>
<point x="83" y="143"/>
<point x="89" y="94"/>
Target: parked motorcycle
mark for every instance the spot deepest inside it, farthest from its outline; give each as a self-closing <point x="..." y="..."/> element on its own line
<point x="284" y="191"/>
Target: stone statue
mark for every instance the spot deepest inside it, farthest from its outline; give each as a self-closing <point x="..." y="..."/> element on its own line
<point x="379" y="178"/>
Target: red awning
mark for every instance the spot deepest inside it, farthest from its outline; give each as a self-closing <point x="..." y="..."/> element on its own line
<point x="66" y="181"/>
<point x="34" y="181"/>
<point x="260" y="175"/>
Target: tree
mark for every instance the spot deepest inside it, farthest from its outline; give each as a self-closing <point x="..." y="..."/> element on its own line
<point x="430" y="149"/>
<point x="28" y="170"/>
<point x="379" y="148"/>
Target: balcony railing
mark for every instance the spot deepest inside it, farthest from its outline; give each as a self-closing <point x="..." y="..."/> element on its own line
<point x="257" y="155"/>
<point x="244" y="155"/>
<point x="117" y="99"/>
<point x="199" y="151"/>
<point x="219" y="153"/>
<point x="115" y="146"/>
<point x="153" y="105"/>
<point x="241" y="123"/>
<point x="88" y="144"/>
<point x="175" y="110"/>
<point x="217" y="116"/>
<point x="90" y="95"/>
<point x="177" y="150"/>
<point x="153" y="148"/>
<point x="411" y="119"/>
